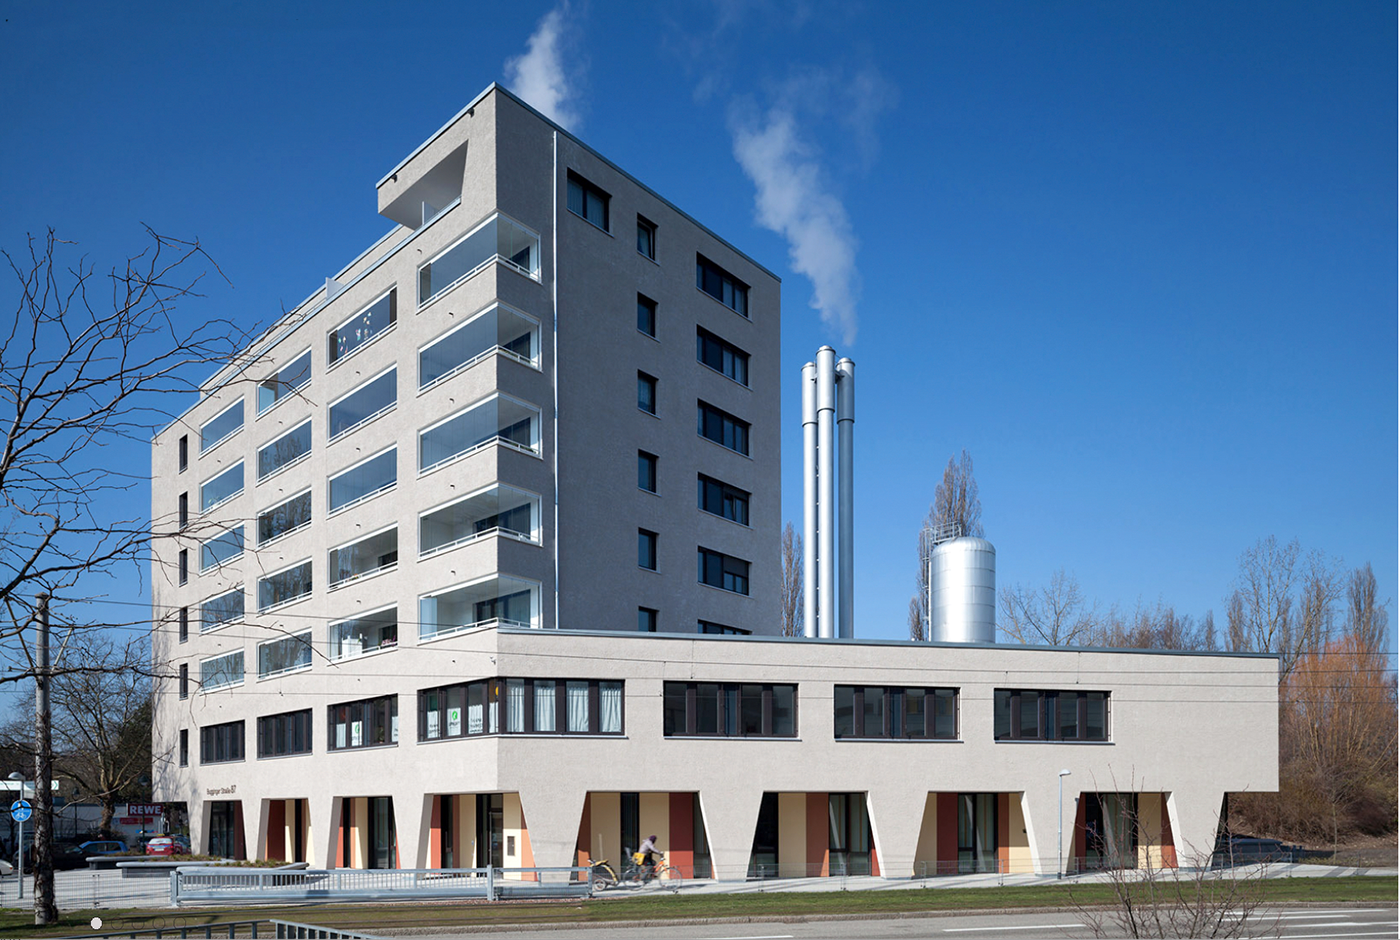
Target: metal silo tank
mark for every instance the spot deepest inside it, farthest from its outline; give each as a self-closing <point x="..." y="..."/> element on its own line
<point x="963" y="591"/>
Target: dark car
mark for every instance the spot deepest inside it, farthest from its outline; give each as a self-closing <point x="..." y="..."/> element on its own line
<point x="103" y="847"/>
<point x="66" y="855"/>
<point x="1244" y="850"/>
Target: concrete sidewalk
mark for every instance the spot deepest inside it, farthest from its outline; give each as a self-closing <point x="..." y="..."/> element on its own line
<point x="105" y="889"/>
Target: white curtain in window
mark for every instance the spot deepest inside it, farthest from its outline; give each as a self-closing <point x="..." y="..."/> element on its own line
<point x="493" y="717"/>
<point x="515" y="705"/>
<point x="544" y="706"/>
<point x="578" y="707"/>
<point x="610" y="707"/>
<point x="474" y="718"/>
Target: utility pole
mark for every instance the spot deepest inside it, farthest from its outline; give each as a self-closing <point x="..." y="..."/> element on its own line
<point x="45" y="907"/>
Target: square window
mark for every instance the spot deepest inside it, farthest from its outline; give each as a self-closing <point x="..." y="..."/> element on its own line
<point x="646" y="549"/>
<point x="646" y="315"/>
<point x="588" y="201"/>
<point x="646" y="620"/>
<point x="646" y="471"/>
<point x="646" y="393"/>
<point x="646" y="238"/>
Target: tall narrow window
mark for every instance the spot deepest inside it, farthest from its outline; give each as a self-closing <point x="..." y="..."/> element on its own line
<point x="646" y="238"/>
<point x="646" y="315"/>
<point x="646" y="392"/>
<point x="646" y="549"/>
<point x="184" y="510"/>
<point x="184" y="747"/>
<point x="184" y="624"/>
<point x="184" y="565"/>
<point x="646" y="471"/>
<point x="184" y="680"/>
<point x="184" y="452"/>
<point x="588" y="201"/>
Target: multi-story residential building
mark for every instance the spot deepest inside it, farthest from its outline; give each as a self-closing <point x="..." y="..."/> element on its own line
<point x="433" y="491"/>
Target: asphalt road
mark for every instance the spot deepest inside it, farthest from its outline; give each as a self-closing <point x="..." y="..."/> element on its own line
<point x="1334" y="923"/>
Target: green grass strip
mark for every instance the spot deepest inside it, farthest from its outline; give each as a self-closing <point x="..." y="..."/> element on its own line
<point x="379" y="917"/>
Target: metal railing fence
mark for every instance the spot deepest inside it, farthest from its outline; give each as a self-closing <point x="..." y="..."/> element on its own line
<point x="226" y="884"/>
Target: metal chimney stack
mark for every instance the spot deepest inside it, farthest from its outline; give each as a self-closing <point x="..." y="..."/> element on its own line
<point x="828" y="579"/>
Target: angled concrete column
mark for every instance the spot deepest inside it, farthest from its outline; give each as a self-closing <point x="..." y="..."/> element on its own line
<point x="324" y="811"/>
<point x="1195" y="815"/>
<point x="1039" y="807"/>
<point x="552" y="811"/>
<point x="259" y="829"/>
<point x="731" y="814"/>
<point x="412" y="815"/>
<point x="198" y="811"/>
<point x="896" y="817"/>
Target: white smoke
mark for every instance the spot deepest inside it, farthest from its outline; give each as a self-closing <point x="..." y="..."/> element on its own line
<point x="538" y="76"/>
<point x="793" y="199"/>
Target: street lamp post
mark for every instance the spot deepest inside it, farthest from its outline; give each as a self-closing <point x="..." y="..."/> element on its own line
<point x="1060" y="830"/>
<point x="20" y="854"/>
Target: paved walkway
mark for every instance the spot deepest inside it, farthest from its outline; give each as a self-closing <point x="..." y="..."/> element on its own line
<point x="98" y="890"/>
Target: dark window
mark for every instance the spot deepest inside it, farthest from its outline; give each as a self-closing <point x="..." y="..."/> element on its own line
<point x="646" y="620"/>
<point x="646" y="315"/>
<point x="521" y="706"/>
<point x="725" y="358"/>
<point x="221" y="743"/>
<point x="646" y="237"/>
<point x="723" y="428"/>
<point x="646" y="471"/>
<point x="370" y="722"/>
<point x="721" y="285"/>
<point x="721" y="499"/>
<point x="725" y="709"/>
<point x="646" y="393"/>
<point x="184" y="624"/>
<point x="723" y="571"/>
<point x="184" y="509"/>
<point x="719" y="629"/>
<point x="184" y="680"/>
<point x="588" y="201"/>
<point x="287" y="733"/>
<point x="184" y="747"/>
<point x="184" y="452"/>
<point x="184" y="565"/>
<point x="1038" y="715"/>
<point x="646" y="549"/>
<point x="879" y="712"/>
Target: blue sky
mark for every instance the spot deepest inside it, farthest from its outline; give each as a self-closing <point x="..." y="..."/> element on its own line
<point x="1138" y="259"/>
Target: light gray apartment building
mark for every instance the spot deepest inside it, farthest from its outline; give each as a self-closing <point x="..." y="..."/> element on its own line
<point x="480" y="567"/>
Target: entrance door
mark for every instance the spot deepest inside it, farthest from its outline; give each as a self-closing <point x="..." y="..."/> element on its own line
<point x="977" y="832"/>
<point x="223" y="842"/>
<point x="381" y="833"/>
<point x="848" y="826"/>
<point x="490" y="830"/>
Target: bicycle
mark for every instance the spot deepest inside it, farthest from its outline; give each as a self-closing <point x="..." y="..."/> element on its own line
<point x="643" y="874"/>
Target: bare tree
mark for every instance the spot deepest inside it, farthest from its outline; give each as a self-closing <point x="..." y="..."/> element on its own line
<point x="1367" y="620"/>
<point x="79" y="371"/>
<point x="1283" y="602"/>
<point x="956" y="510"/>
<point x="1158" y="627"/>
<point x="793" y="620"/>
<point x="1056" y="614"/>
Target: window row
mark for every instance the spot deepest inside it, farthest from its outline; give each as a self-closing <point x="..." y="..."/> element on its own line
<point x="521" y="706"/>
<point x="880" y="712"/>
<point x="1037" y="715"/>
<point x="649" y="621"/>
<point x="597" y="706"/>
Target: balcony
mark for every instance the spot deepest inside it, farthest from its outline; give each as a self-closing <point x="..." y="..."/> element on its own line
<point x="496" y="241"/>
<point x="497" y="331"/>
<point x="496" y="420"/>
<point x="500" y="510"/>
<point x="499" y="600"/>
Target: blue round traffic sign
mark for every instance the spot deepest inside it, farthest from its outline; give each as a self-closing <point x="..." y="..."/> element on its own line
<point x="20" y="810"/>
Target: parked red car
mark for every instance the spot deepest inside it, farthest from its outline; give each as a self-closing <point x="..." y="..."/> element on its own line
<point x="168" y="845"/>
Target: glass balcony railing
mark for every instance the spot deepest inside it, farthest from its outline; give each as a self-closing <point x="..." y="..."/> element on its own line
<point x="496" y="241"/>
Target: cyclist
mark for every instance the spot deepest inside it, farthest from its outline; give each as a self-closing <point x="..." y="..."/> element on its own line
<point x="650" y="857"/>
